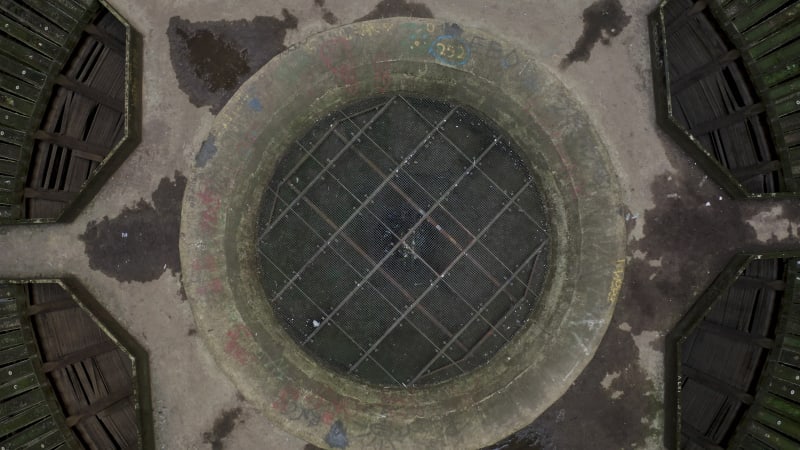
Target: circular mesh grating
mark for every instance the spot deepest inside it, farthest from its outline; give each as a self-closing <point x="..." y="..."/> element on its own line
<point x="402" y="241"/>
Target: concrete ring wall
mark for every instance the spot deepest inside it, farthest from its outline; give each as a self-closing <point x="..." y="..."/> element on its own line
<point x="428" y="57"/>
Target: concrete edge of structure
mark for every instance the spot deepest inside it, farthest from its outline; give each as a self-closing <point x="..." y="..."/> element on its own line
<point x="329" y="70"/>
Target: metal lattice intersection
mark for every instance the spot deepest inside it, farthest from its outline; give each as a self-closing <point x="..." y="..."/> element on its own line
<point x="403" y="241"/>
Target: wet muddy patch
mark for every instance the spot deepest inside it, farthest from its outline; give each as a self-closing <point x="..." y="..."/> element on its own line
<point x="141" y="242"/>
<point x="397" y="8"/>
<point x="223" y="426"/>
<point x="602" y="20"/>
<point x="327" y="15"/>
<point x="212" y="59"/>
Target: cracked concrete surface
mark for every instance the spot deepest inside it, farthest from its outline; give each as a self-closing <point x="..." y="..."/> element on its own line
<point x="682" y="227"/>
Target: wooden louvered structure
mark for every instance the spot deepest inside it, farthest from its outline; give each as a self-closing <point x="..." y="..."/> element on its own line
<point x="727" y="87"/>
<point x="68" y="104"/>
<point x="70" y="377"/>
<point x="733" y="362"/>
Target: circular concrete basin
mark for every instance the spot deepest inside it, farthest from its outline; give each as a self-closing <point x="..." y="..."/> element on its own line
<point x="426" y="58"/>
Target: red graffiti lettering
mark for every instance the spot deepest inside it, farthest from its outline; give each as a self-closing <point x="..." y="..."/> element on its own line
<point x="234" y="348"/>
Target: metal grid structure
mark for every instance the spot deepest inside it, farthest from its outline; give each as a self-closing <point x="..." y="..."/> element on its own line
<point x="402" y="241"/>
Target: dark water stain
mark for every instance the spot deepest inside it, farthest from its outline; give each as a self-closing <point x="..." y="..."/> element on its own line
<point x="327" y="15"/>
<point x="688" y="238"/>
<point x="142" y="241"/>
<point x="397" y="8"/>
<point x="223" y="426"/>
<point x="602" y="20"/>
<point x="212" y="59"/>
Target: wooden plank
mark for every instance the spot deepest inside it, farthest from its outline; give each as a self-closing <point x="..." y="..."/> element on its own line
<point x="71" y="8"/>
<point x="9" y="323"/>
<point x="80" y="355"/>
<point x="46" y="194"/>
<point x="20" y="88"/>
<point x="12" y="136"/>
<point x="770" y="437"/>
<point x="786" y="373"/>
<point x="8" y="306"/>
<point x="49" y="441"/>
<point x="25" y="55"/>
<point x="777" y="422"/>
<point x="40" y="25"/>
<point x="10" y="339"/>
<point x="775" y="41"/>
<point x="13" y="354"/>
<point x="19" y="386"/>
<point x="21" y="420"/>
<point x="789" y="105"/>
<point x="754" y="14"/>
<point x="21" y="402"/>
<point x="779" y="65"/>
<point x="785" y="17"/>
<point x="785" y="389"/>
<point x="55" y="15"/>
<point x="781" y="406"/>
<point x="16" y="370"/>
<point x="16" y="103"/>
<point x="22" y="71"/>
<point x="27" y="437"/>
<point x="28" y="38"/>
<point x="14" y="120"/>
<point x="783" y="90"/>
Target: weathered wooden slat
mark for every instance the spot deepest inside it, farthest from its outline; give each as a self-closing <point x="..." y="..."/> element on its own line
<point x="770" y="437"/>
<point x="16" y="370"/>
<point x="734" y="7"/>
<point x="777" y="422"/>
<point x="783" y="90"/>
<point x="9" y="323"/>
<point x="775" y="40"/>
<point x="12" y="136"/>
<point x="725" y="121"/>
<point x="736" y="335"/>
<point x="6" y="182"/>
<point x="58" y="305"/>
<point x="71" y="8"/>
<point x="784" y="389"/>
<point x="8" y="167"/>
<point x="786" y="373"/>
<point x="12" y="119"/>
<point x="13" y="354"/>
<point x="91" y="151"/>
<point x="40" y="25"/>
<point x="42" y="194"/>
<point x="19" y="386"/>
<point x="98" y="95"/>
<point x="80" y="355"/>
<point x="28" y="436"/>
<point x="55" y="15"/>
<point x="107" y="39"/>
<point x="21" y="420"/>
<point x="788" y="106"/>
<point x="779" y="65"/>
<point x="19" y="87"/>
<point x="25" y="55"/>
<point x="16" y="103"/>
<point x="755" y="13"/>
<point x="97" y="406"/>
<point x="716" y="384"/>
<point x="21" y="402"/>
<point x="787" y="16"/>
<point x="8" y="304"/>
<point x="12" y="67"/>
<point x="48" y="441"/>
<point x="781" y="406"/>
<point x="28" y="38"/>
<point x="10" y="339"/>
